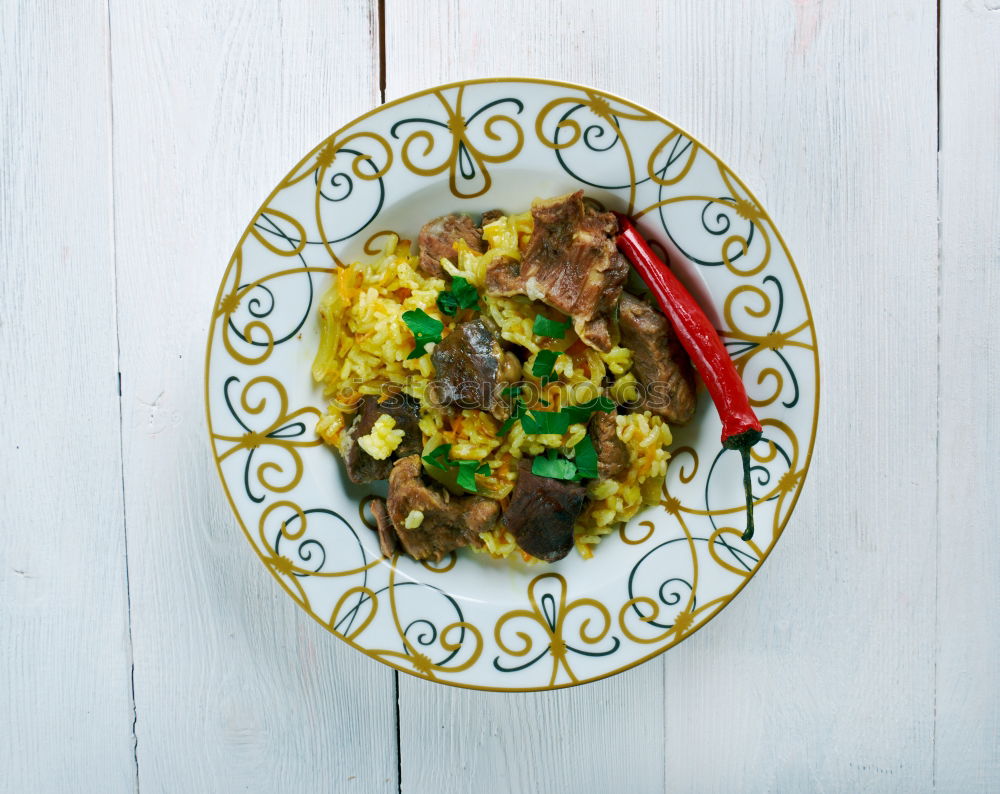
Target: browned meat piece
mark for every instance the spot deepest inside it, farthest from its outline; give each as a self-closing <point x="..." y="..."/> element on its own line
<point x="542" y="512"/>
<point x="471" y="369"/>
<point x="660" y="364"/>
<point x="437" y="241"/>
<point x="362" y="467"/>
<point x="571" y="264"/>
<point x="449" y="522"/>
<point x="612" y="454"/>
<point x="503" y="276"/>
<point x="386" y="531"/>
<point x="491" y="215"/>
<point x="598" y="333"/>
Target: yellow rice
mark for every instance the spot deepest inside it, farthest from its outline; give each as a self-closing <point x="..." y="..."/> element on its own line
<point x="383" y="439"/>
<point x="364" y="347"/>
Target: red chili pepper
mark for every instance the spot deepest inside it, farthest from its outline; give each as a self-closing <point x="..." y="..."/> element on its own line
<point x="740" y="427"/>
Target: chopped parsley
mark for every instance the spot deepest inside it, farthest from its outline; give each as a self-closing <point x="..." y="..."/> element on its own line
<point x="516" y="413"/>
<point x="507" y="425"/>
<point x="467" y="469"/>
<point x="578" y="414"/>
<point x="425" y="329"/>
<point x="438" y="457"/>
<point x="447" y="303"/>
<point x="549" y="328"/>
<point x="537" y="422"/>
<point x="462" y="295"/>
<point x="582" y="467"/>
<point x="543" y="364"/>
<point x="545" y="422"/>
<point x="553" y="467"/>
<point x="585" y="459"/>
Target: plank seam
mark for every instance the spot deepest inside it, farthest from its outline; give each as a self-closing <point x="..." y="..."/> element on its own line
<point x="663" y="740"/>
<point x="121" y="413"/>
<point x="937" y="423"/>
<point x="395" y="673"/>
<point x="381" y="51"/>
<point x="399" y="754"/>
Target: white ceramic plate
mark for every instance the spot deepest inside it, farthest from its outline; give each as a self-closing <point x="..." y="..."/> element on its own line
<point x="473" y="621"/>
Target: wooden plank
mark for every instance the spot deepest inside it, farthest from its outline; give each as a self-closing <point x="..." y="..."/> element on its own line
<point x="236" y="688"/>
<point x="967" y="754"/>
<point x="65" y="694"/>
<point x="821" y="675"/>
<point x="608" y="735"/>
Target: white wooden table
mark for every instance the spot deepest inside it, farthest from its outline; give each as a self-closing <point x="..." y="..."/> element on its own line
<point x="137" y="139"/>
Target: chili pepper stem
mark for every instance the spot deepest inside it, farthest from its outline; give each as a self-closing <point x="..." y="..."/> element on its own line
<point x="743" y="442"/>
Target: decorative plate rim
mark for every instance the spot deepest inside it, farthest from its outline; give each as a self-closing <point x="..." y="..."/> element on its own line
<point x="807" y="459"/>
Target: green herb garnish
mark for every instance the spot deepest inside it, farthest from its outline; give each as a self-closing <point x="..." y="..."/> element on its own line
<point x="465" y="293"/>
<point x="517" y="409"/>
<point x="513" y="391"/>
<point x="585" y="459"/>
<point x="553" y="467"/>
<point x="425" y="329"/>
<point x="507" y="425"/>
<point x="516" y="413"/>
<point x="447" y="303"/>
<point x="582" y="467"/>
<point x="579" y="414"/>
<point x="537" y="422"/>
<point x="462" y="295"/>
<point x="438" y="457"/>
<point x="549" y="328"/>
<point x="467" y="471"/>
<point x="543" y="364"/>
<point x="545" y="422"/>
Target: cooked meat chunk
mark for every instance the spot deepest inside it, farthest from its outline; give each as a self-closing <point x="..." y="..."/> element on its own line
<point x="612" y="454"/>
<point x="362" y="467"/>
<point x="491" y="215"/>
<point x="598" y="332"/>
<point x="437" y="241"/>
<point x="386" y="531"/>
<point x="571" y="264"/>
<point x="472" y="369"/>
<point x="503" y="276"/>
<point x="448" y="522"/>
<point x="660" y="364"/>
<point x="542" y="512"/>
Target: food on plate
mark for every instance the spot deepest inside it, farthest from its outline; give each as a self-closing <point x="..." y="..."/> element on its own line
<point x="387" y="540"/>
<point x="429" y="520"/>
<point x="740" y="427"/>
<point x="437" y="241"/>
<point x="380" y="433"/>
<point x="542" y="512"/>
<point x="517" y="399"/>
<point x="471" y="368"/>
<point x="612" y="454"/>
<point x="659" y="363"/>
<point x="571" y="264"/>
